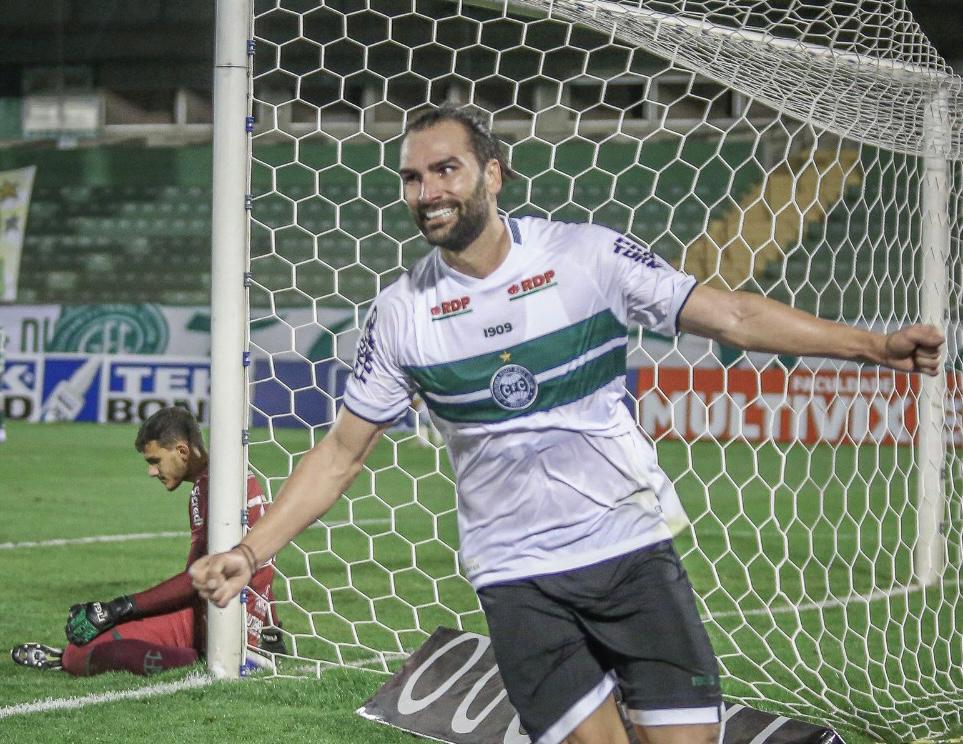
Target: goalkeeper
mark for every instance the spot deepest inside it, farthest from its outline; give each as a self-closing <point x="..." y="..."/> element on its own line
<point x="161" y="627"/>
<point x="513" y="331"/>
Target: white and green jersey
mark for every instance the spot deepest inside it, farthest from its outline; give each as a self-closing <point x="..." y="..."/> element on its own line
<point x="524" y="373"/>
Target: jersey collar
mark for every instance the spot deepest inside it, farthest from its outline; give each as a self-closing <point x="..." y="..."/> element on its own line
<point x="506" y="268"/>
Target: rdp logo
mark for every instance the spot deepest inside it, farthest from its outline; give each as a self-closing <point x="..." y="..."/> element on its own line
<point x="449" y="308"/>
<point x="532" y="284"/>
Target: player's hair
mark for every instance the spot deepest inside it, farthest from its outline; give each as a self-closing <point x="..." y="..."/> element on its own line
<point x="168" y="426"/>
<point x="484" y="144"/>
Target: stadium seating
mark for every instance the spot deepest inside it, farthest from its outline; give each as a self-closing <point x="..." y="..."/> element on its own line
<point x="86" y="241"/>
<point x="851" y="265"/>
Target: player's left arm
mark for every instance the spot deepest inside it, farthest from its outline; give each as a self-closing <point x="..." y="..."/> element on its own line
<point x="755" y="323"/>
<point x="87" y="620"/>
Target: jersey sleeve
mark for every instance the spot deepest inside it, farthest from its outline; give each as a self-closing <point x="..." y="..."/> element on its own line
<point x="171" y="595"/>
<point x="256" y="507"/>
<point x="643" y="287"/>
<point x="256" y="503"/>
<point x="378" y="389"/>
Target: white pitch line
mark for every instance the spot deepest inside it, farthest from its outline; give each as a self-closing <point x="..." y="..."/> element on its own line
<point x="809" y="606"/>
<point x="141" y="536"/>
<point x="873" y="596"/>
<point x="190" y="682"/>
<point x="89" y="540"/>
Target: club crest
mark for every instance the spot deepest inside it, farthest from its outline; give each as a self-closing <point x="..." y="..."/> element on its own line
<point x="513" y="387"/>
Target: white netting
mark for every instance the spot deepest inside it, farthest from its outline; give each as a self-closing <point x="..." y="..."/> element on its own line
<point x="806" y="150"/>
<point x="860" y="69"/>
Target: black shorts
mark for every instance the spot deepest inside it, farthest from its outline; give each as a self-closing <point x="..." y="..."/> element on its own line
<point x="564" y="641"/>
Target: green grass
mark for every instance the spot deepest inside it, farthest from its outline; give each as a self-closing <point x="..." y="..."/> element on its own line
<point x="784" y="534"/>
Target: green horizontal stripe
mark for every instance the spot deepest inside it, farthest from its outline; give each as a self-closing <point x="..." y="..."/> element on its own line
<point x="536" y="355"/>
<point x="552" y="393"/>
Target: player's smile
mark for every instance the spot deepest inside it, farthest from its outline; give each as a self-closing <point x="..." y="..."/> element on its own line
<point x="436" y="217"/>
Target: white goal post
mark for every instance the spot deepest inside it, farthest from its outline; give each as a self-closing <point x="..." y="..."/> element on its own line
<point x="811" y="151"/>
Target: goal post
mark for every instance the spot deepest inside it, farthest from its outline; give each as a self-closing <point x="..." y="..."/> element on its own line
<point x="934" y="308"/>
<point x="229" y="267"/>
<point x="809" y="151"/>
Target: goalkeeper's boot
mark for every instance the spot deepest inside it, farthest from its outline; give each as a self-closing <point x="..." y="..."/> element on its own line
<point x="272" y="641"/>
<point x="37" y="656"/>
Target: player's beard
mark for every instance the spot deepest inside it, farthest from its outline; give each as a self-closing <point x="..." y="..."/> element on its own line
<point x="471" y="220"/>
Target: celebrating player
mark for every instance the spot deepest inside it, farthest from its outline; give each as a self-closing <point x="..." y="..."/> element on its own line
<point x="563" y="510"/>
<point x="162" y="627"/>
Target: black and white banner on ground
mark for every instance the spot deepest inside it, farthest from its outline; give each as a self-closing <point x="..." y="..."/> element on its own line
<point x="450" y="690"/>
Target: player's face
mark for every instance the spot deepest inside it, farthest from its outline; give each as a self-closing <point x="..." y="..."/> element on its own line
<point x="451" y="198"/>
<point x="167" y="464"/>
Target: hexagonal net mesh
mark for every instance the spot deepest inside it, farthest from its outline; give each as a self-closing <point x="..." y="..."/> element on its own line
<point x="806" y="150"/>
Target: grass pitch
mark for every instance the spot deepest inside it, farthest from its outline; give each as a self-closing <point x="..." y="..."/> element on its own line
<point x="802" y="581"/>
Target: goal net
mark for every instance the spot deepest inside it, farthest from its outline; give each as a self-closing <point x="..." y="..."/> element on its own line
<point x="809" y="151"/>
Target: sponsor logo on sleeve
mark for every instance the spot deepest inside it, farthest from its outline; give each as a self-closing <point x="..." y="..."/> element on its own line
<point x="364" y="359"/>
<point x="451" y="308"/>
<point x="635" y="252"/>
<point x="531" y="285"/>
<point x="196" y="519"/>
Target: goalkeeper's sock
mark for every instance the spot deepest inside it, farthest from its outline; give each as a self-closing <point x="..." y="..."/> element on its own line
<point x="127" y="655"/>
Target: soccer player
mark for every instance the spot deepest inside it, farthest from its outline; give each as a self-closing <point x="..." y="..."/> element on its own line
<point x="164" y="626"/>
<point x="3" y="358"/>
<point x="514" y="333"/>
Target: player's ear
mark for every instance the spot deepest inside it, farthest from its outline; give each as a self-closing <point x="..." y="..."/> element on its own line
<point x="183" y="450"/>
<point x="493" y="177"/>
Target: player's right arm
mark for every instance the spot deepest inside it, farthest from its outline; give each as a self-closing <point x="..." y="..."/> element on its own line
<point x="317" y="481"/>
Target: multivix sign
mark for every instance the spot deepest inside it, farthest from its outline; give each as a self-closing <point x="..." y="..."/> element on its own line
<point x="450" y="690"/>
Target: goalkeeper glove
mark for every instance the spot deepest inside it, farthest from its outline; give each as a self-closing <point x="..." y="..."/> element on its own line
<point x="87" y="621"/>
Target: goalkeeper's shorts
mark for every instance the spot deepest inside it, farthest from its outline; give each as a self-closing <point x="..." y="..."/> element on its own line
<point x="565" y="641"/>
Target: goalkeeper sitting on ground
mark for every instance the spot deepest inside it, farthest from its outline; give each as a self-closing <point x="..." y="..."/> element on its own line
<point x="162" y="627"/>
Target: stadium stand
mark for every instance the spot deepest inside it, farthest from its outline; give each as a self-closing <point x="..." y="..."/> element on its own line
<point x="104" y="218"/>
<point x="851" y="263"/>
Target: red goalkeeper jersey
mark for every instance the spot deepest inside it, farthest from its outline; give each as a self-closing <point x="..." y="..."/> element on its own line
<point x="177" y="592"/>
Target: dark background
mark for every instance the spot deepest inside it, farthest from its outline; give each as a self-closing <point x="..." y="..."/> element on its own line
<point x="157" y="45"/>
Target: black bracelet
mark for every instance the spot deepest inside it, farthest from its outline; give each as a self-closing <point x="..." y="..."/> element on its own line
<point x="248" y="552"/>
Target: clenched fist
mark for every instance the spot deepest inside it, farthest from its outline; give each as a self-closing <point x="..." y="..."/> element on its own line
<point x="220" y="577"/>
<point x="914" y="348"/>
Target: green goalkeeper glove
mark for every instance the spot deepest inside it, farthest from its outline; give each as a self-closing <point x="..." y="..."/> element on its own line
<point x="87" y="621"/>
